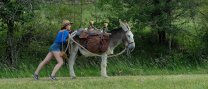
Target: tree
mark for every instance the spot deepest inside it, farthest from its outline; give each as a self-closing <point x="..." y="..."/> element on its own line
<point x="13" y="12"/>
<point x="160" y="15"/>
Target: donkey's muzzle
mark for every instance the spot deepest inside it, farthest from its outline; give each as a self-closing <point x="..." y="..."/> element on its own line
<point x="131" y="47"/>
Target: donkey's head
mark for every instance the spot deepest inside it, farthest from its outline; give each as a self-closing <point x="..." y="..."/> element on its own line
<point x="128" y="39"/>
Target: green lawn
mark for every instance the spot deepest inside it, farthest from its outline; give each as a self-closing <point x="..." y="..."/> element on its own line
<point x="197" y="81"/>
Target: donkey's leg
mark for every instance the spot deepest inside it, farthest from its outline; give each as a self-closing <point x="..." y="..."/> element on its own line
<point x="72" y="61"/>
<point x="104" y="65"/>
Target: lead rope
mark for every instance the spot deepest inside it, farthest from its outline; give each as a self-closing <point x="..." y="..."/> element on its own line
<point x="74" y="33"/>
<point x="62" y="41"/>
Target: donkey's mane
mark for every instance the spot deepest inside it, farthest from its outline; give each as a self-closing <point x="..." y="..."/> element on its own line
<point x="114" y="31"/>
<point x="116" y="34"/>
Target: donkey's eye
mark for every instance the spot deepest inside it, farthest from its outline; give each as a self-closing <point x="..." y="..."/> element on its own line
<point x="128" y="35"/>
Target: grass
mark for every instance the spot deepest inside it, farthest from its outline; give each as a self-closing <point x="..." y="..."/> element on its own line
<point x="112" y="70"/>
<point x="115" y="68"/>
<point x="197" y="81"/>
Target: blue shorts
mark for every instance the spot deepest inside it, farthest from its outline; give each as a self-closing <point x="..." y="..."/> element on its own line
<point x="55" y="47"/>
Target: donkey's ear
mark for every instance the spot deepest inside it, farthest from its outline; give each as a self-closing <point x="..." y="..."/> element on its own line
<point x="125" y="21"/>
<point x="123" y="25"/>
<point x="120" y="21"/>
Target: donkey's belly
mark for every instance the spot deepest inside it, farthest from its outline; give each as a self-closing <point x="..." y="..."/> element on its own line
<point x="86" y="53"/>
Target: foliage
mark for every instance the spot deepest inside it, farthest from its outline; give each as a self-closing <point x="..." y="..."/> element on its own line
<point x="14" y="13"/>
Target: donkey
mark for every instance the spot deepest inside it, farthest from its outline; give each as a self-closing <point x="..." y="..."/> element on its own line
<point x="118" y="36"/>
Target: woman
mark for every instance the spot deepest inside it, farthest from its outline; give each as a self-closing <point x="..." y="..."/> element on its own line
<point x="55" y="50"/>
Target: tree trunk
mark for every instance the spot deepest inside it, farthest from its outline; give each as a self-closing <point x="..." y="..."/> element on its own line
<point x="157" y="13"/>
<point x="162" y="37"/>
<point x="11" y="47"/>
<point x="170" y="43"/>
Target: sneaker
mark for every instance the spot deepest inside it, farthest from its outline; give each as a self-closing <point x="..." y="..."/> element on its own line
<point x="35" y="76"/>
<point x="53" y="77"/>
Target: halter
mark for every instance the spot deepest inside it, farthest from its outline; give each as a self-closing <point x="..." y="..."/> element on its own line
<point x="127" y="38"/>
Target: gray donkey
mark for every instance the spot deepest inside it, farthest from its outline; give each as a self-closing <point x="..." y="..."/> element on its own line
<point x="118" y="36"/>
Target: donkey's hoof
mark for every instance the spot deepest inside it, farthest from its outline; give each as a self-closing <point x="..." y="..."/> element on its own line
<point x="73" y="77"/>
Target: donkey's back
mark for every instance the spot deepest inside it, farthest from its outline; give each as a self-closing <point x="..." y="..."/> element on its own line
<point x="94" y="41"/>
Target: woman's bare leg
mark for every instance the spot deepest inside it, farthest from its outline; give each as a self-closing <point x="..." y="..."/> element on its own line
<point x="45" y="61"/>
<point x="60" y="61"/>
